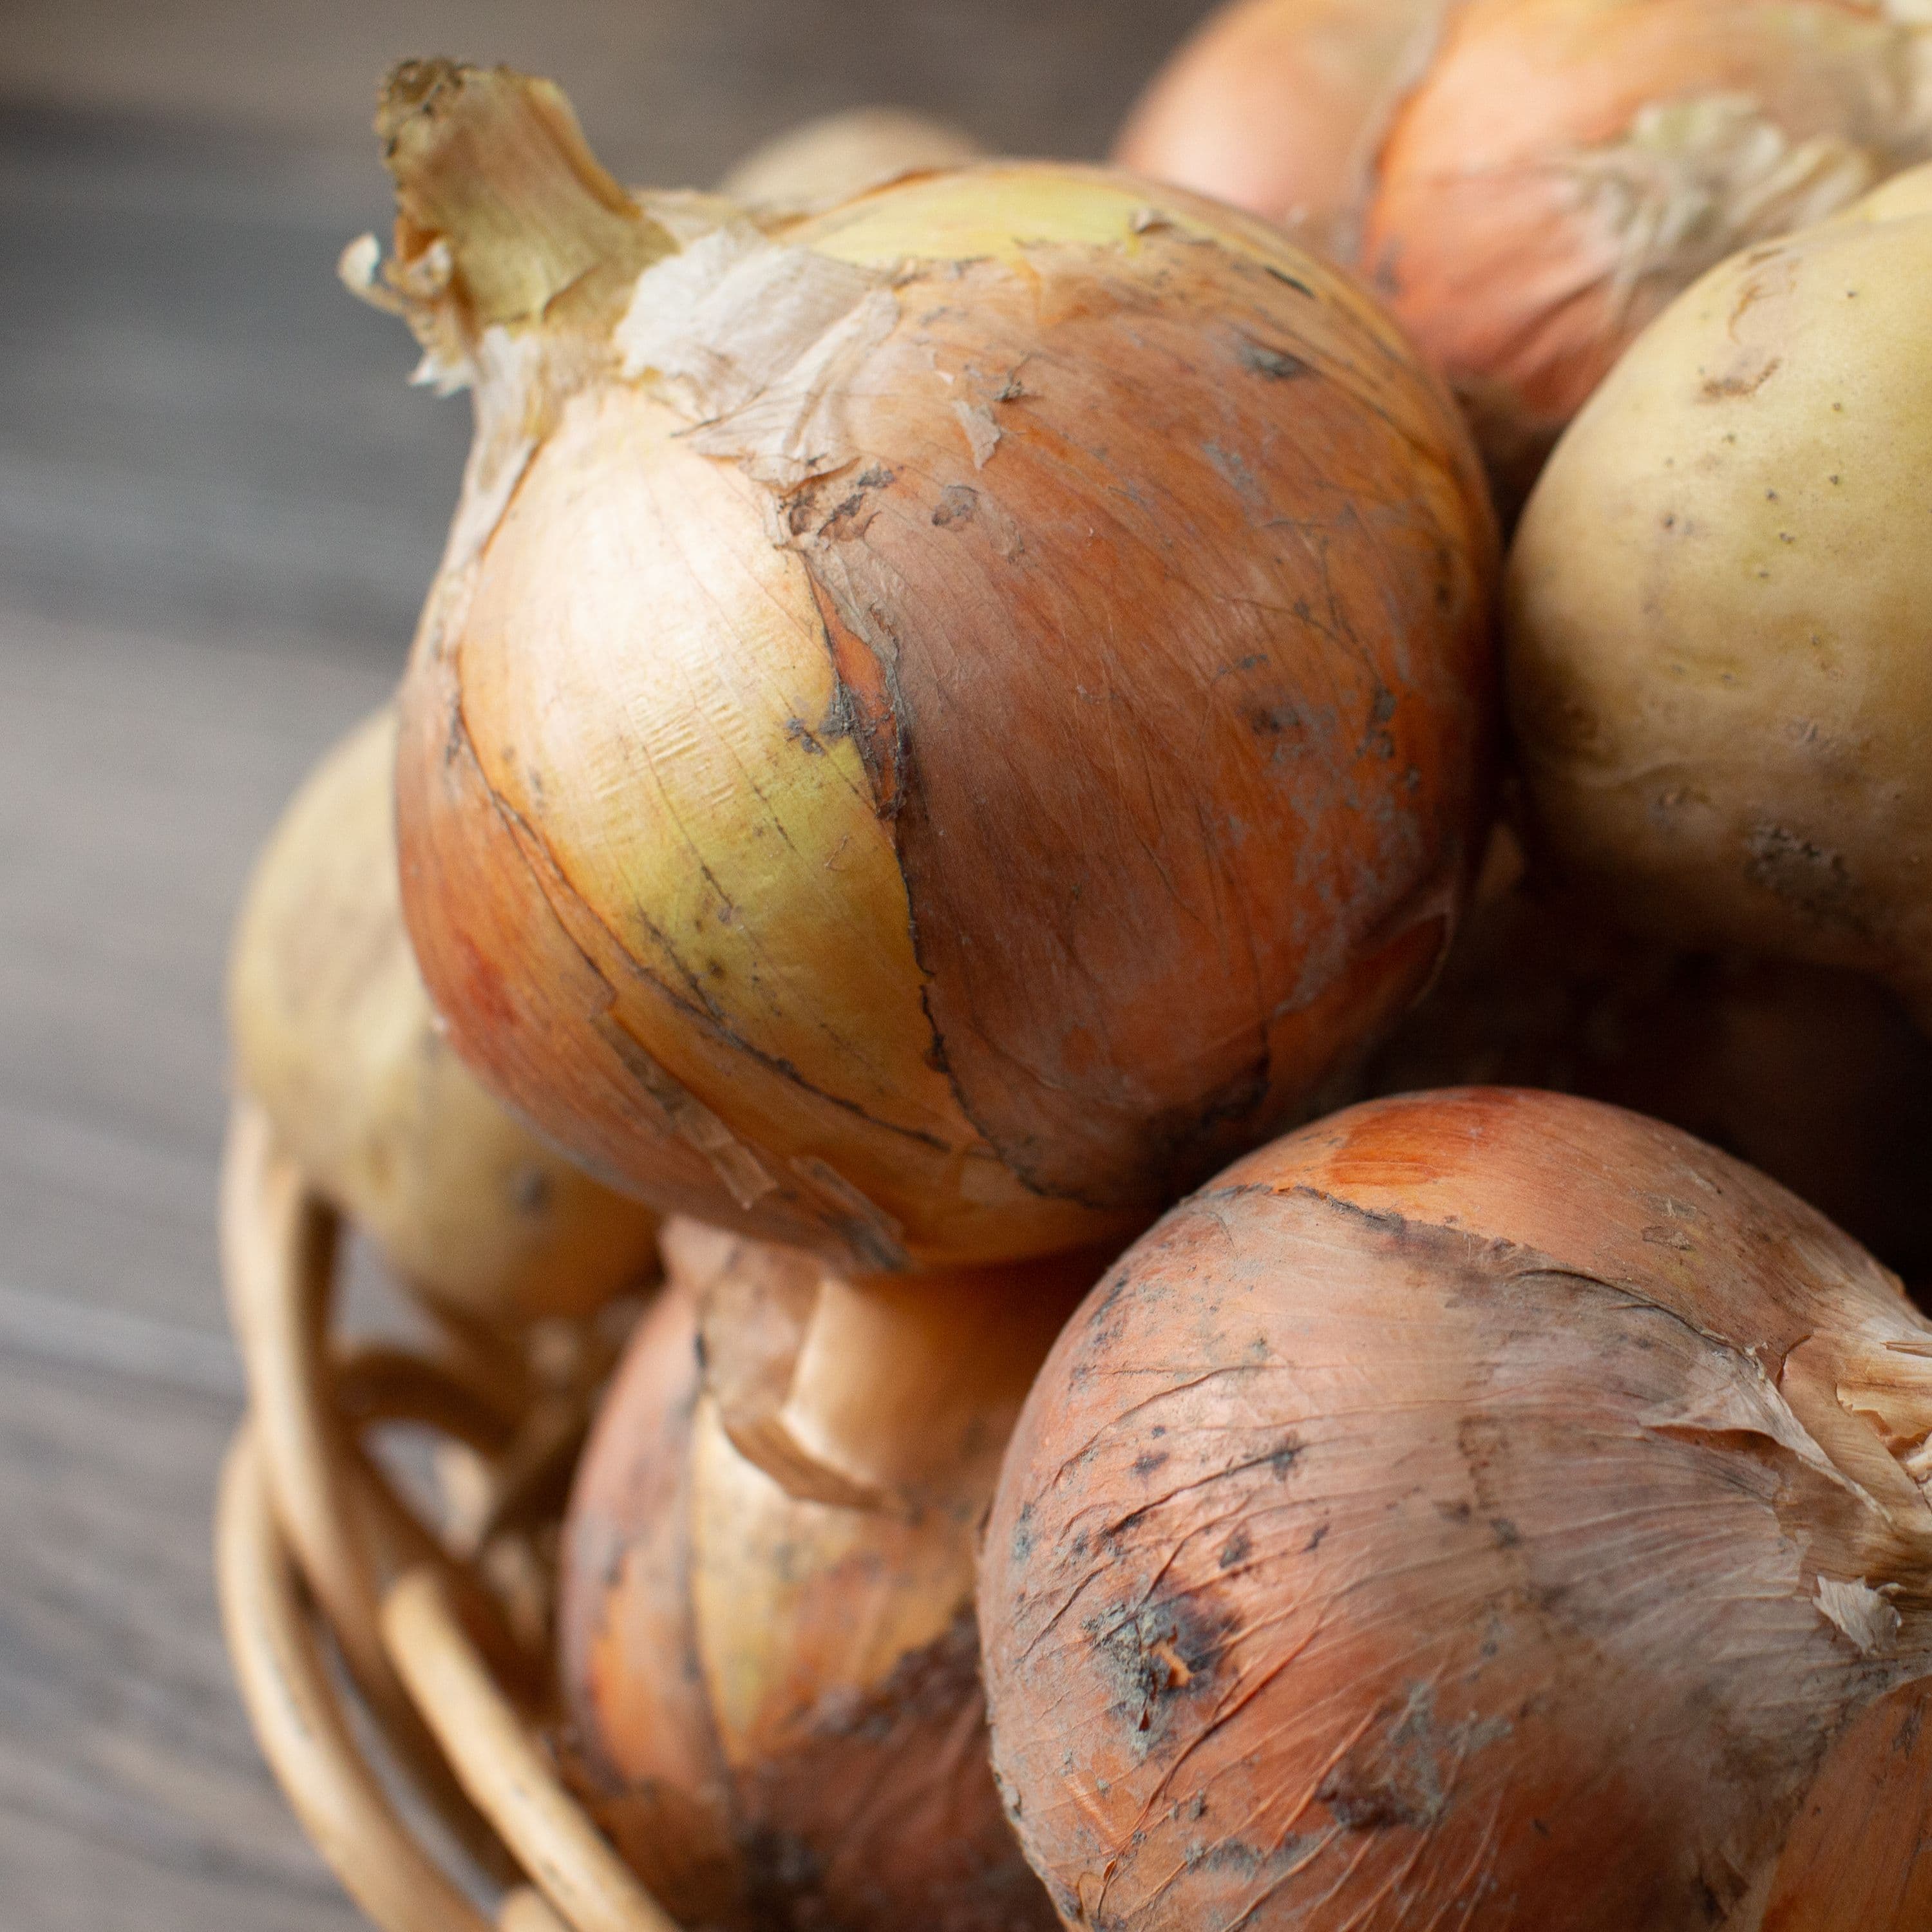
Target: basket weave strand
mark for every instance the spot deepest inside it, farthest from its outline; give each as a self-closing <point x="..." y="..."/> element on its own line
<point x="317" y="1552"/>
<point x="503" y="1769"/>
<point x="299" y="1723"/>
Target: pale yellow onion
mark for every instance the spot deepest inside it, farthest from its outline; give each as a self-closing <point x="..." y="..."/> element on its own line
<point x="334" y="1034"/>
<point x="1717" y="658"/>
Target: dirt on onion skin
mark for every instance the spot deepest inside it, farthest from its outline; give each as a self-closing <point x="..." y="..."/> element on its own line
<point x="1380" y="1545"/>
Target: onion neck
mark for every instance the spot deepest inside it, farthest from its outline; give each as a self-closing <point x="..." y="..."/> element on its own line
<point x="504" y="217"/>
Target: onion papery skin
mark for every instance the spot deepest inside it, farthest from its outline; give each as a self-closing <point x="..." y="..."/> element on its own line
<point x="950" y="847"/>
<point x="1815" y="1076"/>
<point x="1545" y="175"/>
<point x="1483" y="1507"/>
<point x="775" y="1697"/>
<point x="1716" y="666"/>
<point x="334" y="1035"/>
<point x="1278" y="105"/>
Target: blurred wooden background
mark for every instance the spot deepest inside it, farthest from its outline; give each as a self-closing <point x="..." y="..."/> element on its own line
<point x="219" y="507"/>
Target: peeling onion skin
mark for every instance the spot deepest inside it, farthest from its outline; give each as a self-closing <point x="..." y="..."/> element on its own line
<point x="335" y="1035"/>
<point x="1717" y="665"/>
<point x="1546" y="177"/>
<point x="1815" y="1076"/>
<point x="776" y="1711"/>
<point x="781" y="829"/>
<point x="1479" y="1508"/>
<point x="821" y="163"/>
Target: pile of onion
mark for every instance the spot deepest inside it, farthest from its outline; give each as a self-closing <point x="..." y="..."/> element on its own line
<point x="960" y="698"/>
<point x="1718" y="670"/>
<point x="941" y="721"/>
<point x="1481" y="1508"/>
<point x="1814" y="1076"/>
<point x="334" y="1037"/>
<point x="769" y="1649"/>
<point x="1529" y="182"/>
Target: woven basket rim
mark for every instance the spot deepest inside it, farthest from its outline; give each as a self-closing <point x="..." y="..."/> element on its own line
<point x="339" y="1604"/>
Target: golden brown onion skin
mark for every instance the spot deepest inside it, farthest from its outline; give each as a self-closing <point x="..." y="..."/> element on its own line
<point x="776" y="1701"/>
<point x="1528" y="182"/>
<point x="1481" y="1507"/>
<point x="955" y="856"/>
<point x="1278" y="107"/>
<point x="1861" y="1853"/>
<point x="1814" y="1076"/>
<point x="335" y="1035"/>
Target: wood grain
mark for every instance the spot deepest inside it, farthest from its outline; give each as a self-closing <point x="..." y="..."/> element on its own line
<point x="219" y="507"/>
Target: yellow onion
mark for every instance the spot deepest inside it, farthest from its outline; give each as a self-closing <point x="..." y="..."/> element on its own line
<point x="935" y="727"/>
<point x="767" y="1637"/>
<point x="1482" y="1508"/>
<point x="1279" y="106"/>
<point x="1815" y="1076"/>
<point x="1717" y="653"/>
<point x="334" y="1035"/>
<point x="1557" y="170"/>
<point x="821" y="163"/>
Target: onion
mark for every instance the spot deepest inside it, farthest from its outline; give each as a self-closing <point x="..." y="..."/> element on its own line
<point x="1278" y="105"/>
<point x="1559" y="170"/>
<point x="767" y="1627"/>
<point x="817" y="165"/>
<point x="931" y="733"/>
<point x="1718" y="660"/>
<point x="1480" y="1508"/>
<point x="1816" y="1077"/>
<point x="334" y="1035"/>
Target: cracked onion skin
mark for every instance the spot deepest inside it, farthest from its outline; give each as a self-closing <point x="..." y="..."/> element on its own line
<point x="766" y="1629"/>
<point x="334" y="1034"/>
<point x="1545" y="175"/>
<point x="1716" y="662"/>
<point x="1485" y="1508"/>
<point x="960" y="738"/>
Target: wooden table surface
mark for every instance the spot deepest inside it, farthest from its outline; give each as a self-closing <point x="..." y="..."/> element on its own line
<point x="219" y="507"/>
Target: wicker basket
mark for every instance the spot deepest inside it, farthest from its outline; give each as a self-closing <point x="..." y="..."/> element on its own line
<point x="396" y="1676"/>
